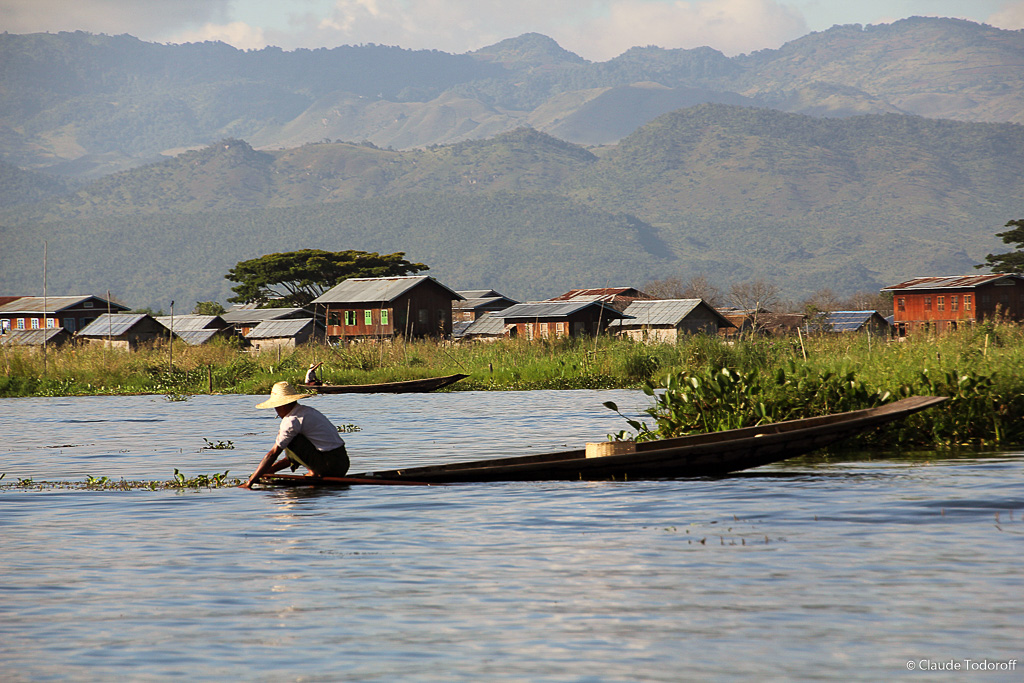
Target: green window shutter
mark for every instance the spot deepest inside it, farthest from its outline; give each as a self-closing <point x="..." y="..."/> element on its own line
<point x="383" y="316"/>
<point x="368" y="317"/>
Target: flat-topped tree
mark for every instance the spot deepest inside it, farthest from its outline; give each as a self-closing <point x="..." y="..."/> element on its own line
<point x="1011" y="261"/>
<point x="295" y="278"/>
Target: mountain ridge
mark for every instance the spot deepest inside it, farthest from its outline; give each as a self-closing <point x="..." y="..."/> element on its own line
<point x="82" y="105"/>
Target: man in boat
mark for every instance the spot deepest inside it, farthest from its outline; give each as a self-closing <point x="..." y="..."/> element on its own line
<point x="306" y="437"/>
<point x="311" y="379"/>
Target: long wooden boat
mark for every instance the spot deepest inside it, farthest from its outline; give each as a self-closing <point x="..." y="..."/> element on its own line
<point x="700" y="455"/>
<point x="405" y="387"/>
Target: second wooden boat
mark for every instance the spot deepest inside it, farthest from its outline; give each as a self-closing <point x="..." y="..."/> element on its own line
<point x="405" y="387"/>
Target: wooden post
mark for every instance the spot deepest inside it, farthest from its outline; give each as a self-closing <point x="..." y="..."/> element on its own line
<point x="44" y="308"/>
<point x="209" y="373"/>
<point x="170" y="342"/>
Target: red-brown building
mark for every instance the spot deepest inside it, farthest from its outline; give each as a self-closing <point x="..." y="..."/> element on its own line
<point x="558" y="319"/>
<point x="72" y="313"/>
<point x="944" y="303"/>
<point x="365" y="308"/>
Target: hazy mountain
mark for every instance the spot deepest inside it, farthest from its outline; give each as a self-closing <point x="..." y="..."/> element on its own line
<point x="83" y="105"/>
<point x="732" y="192"/>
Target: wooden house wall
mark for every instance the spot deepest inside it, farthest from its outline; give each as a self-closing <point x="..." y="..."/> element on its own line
<point x="699" y="321"/>
<point x="425" y="311"/>
<point x="146" y="331"/>
<point x="945" y="309"/>
<point x="72" y="319"/>
<point x="586" y="322"/>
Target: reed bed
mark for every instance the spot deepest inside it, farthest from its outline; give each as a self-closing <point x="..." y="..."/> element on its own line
<point x="759" y="379"/>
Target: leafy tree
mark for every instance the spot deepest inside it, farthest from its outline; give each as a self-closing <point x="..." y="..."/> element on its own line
<point x="1011" y="261"/>
<point x="208" y="308"/>
<point x="295" y="278"/>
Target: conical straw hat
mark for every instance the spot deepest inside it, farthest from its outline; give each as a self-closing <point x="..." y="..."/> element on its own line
<point x="282" y="394"/>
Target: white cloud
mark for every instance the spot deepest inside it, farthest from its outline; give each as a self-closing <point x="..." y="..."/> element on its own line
<point x="731" y="26"/>
<point x="598" y="29"/>
<point x="237" y="33"/>
<point x="1010" y="16"/>
<point x="146" y="19"/>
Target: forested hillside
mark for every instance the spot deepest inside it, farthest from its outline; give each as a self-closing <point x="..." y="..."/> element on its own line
<point x="735" y="193"/>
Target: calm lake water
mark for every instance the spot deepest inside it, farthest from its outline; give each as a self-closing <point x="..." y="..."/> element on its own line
<point x="815" y="570"/>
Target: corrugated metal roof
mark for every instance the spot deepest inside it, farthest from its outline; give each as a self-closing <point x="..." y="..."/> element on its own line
<point x="486" y="325"/>
<point x="196" y="337"/>
<point x="951" y="281"/>
<point x="470" y="304"/>
<point x="554" y="309"/>
<point x="275" y="329"/>
<point x="34" y="304"/>
<point x="478" y="293"/>
<point x="849" y="321"/>
<point x="32" y="337"/>
<point x="256" y="315"/>
<point x="112" y="324"/>
<point x="598" y="294"/>
<point x="184" y="323"/>
<point x="661" y="312"/>
<point x="369" y="290"/>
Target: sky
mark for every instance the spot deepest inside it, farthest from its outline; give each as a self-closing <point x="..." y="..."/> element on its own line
<point x="597" y="30"/>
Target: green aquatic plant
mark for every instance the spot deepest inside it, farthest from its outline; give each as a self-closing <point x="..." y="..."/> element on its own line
<point x="719" y="399"/>
<point x="218" y="446"/>
<point x="179" y="482"/>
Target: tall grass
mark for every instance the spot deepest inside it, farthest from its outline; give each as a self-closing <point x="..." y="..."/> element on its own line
<point x="979" y="369"/>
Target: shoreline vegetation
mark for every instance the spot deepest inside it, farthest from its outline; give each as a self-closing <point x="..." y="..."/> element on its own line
<point x="711" y="384"/>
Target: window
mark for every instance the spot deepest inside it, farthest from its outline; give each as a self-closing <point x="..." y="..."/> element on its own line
<point x="901" y="303"/>
<point x="940" y="303"/>
<point x="350" y="318"/>
<point x="87" y="304"/>
<point x="5" y="325"/>
<point x="383" y="316"/>
<point x="967" y="302"/>
<point x="368" y="316"/>
<point x="927" y="303"/>
<point x="560" y="329"/>
<point x="20" y="323"/>
<point x="333" y="318"/>
<point x="51" y="322"/>
<point x="35" y="323"/>
<point x="954" y="303"/>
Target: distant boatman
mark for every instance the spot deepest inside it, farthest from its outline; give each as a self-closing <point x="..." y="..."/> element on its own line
<point x="311" y="379"/>
<point x="306" y="437"/>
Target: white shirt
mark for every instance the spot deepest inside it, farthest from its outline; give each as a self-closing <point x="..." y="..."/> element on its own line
<point x="312" y="424"/>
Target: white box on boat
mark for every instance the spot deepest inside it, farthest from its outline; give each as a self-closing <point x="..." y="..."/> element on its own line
<point x="604" y="448"/>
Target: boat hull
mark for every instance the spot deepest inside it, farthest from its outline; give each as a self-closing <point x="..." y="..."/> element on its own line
<point x="701" y="455"/>
<point x="406" y="387"/>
